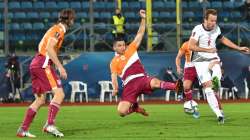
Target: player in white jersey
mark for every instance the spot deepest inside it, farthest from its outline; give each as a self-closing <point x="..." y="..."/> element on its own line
<point x="206" y="59"/>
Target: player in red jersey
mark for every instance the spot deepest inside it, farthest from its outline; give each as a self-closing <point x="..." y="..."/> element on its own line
<point x="44" y="77"/>
<point x="127" y="65"/>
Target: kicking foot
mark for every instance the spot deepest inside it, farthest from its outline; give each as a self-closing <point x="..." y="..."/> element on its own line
<point x="221" y="120"/>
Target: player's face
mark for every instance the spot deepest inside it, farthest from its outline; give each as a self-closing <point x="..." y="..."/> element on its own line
<point x="211" y="22"/>
<point x="120" y="47"/>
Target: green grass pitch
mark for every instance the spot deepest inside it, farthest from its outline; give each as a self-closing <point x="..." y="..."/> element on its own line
<point x="166" y="122"/>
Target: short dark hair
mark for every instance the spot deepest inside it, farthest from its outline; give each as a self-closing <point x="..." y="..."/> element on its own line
<point x="117" y="39"/>
<point x="210" y="12"/>
<point x="66" y="15"/>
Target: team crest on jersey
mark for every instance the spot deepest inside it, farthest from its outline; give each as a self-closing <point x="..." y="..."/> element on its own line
<point x="57" y="35"/>
<point x="123" y="57"/>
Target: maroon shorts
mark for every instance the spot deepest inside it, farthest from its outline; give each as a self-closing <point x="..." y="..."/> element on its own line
<point x="190" y="73"/>
<point x="136" y="87"/>
<point x="44" y="80"/>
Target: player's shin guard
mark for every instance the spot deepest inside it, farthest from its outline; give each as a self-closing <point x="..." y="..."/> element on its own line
<point x="188" y="95"/>
<point x="53" y="109"/>
<point x="30" y="115"/>
<point x="167" y="85"/>
<point x="212" y="101"/>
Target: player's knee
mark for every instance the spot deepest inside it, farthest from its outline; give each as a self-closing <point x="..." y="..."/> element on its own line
<point x="155" y="83"/>
<point x="122" y="112"/>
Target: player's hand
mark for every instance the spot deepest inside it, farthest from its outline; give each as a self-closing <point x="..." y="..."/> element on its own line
<point x="212" y="50"/>
<point x="63" y="73"/>
<point x="115" y="92"/>
<point x="143" y="13"/>
<point x="179" y="70"/>
<point x="244" y="50"/>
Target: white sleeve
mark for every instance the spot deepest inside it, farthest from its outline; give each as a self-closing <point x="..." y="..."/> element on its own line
<point x="195" y="34"/>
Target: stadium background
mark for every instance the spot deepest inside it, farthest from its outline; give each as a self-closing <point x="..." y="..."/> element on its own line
<point x="89" y="43"/>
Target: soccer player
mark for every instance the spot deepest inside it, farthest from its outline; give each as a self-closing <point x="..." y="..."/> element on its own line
<point x="189" y="72"/>
<point x="127" y="65"/>
<point x="206" y="60"/>
<point x="44" y="77"/>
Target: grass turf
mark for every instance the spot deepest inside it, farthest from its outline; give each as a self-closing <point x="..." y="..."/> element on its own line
<point x="102" y="123"/>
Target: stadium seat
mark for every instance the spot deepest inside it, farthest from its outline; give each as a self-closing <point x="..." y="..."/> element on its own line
<point x="130" y="15"/>
<point x="167" y="95"/>
<point x="44" y="15"/>
<point x="19" y="15"/>
<point x="38" y="5"/>
<point x="106" y="87"/>
<point x="164" y="15"/>
<point x="1" y="5"/>
<point x="217" y="5"/>
<point x="14" y="5"/>
<point x="76" y="88"/>
<point x="99" y="6"/>
<point x="110" y="6"/>
<point x="184" y="4"/>
<point x="246" y="88"/>
<point x="238" y="4"/>
<point x="155" y="14"/>
<point x="158" y="5"/>
<point x="96" y="15"/>
<point x="14" y="26"/>
<point x="75" y="5"/>
<point x="81" y="15"/>
<point x="32" y="15"/>
<point x="134" y="5"/>
<point x="105" y="15"/>
<point x="38" y="26"/>
<point x="27" y="26"/>
<point x="170" y="5"/>
<point x="54" y="15"/>
<point x="26" y="5"/>
<point x="51" y="5"/>
<point x="228" y="5"/>
<point x="235" y="14"/>
<point x="62" y="4"/>
<point x="188" y="14"/>
<point x="10" y="15"/>
<point x="194" y="5"/>
<point x="85" y="6"/>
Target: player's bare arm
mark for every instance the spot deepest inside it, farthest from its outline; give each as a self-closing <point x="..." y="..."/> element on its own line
<point x="178" y="62"/>
<point x="141" y="31"/>
<point x="53" y="56"/>
<point x="114" y="84"/>
<point x="231" y="45"/>
<point x="194" y="47"/>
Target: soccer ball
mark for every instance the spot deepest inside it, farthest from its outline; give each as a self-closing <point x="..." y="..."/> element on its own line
<point x="190" y="107"/>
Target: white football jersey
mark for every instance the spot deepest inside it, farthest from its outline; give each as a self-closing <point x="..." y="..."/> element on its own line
<point x="206" y="39"/>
